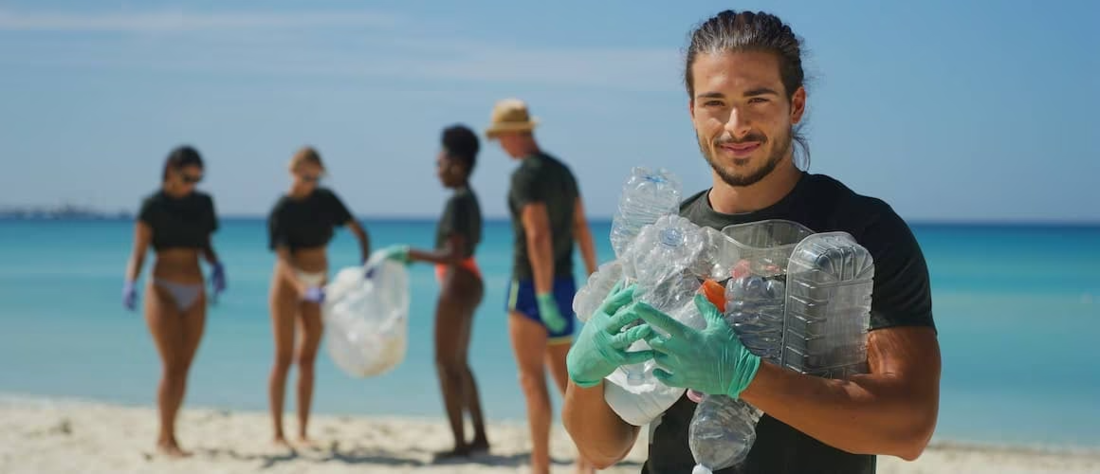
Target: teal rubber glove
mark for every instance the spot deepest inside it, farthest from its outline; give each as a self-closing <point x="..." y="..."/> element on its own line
<point x="549" y="313"/>
<point x="711" y="361"/>
<point x="396" y="253"/>
<point x="601" y="346"/>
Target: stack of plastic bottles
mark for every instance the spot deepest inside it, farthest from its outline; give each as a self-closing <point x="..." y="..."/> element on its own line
<point x="723" y="429"/>
<point x="796" y="298"/>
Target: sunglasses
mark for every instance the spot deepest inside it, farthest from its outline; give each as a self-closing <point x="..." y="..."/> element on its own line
<point x="310" y="178"/>
<point x="191" y="179"/>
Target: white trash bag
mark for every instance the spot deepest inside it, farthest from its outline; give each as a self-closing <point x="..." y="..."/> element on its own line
<point x="366" y="319"/>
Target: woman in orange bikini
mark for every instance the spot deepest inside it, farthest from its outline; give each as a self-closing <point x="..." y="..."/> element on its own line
<point x="457" y="235"/>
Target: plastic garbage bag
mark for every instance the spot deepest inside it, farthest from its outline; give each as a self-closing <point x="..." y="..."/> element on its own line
<point x="366" y="318"/>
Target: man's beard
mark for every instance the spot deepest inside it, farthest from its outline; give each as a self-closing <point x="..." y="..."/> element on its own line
<point x="735" y="180"/>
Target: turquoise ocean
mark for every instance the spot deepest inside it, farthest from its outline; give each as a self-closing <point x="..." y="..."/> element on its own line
<point x="1017" y="308"/>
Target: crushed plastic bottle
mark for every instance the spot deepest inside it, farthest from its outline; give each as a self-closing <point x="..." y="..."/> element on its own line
<point x="599" y="285"/>
<point x="721" y="433"/>
<point x="660" y="262"/>
<point x="756" y="313"/>
<point x="647" y="195"/>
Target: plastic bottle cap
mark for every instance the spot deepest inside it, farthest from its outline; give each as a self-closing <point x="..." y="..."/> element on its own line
<point x="672" y="237"/>
<point x="701" y="469"/>
<point x="715" y="293"/>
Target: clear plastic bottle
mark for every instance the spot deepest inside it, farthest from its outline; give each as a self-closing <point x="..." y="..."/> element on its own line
<point x="829" y="283"/>
<point x="755" y="311"/>
<point x="647" y="195"/>
<point x="660" y="261"/>
<point x="721" y="433"/>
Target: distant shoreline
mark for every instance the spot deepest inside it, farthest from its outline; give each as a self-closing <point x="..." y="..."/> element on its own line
<point x="925" y="224"/>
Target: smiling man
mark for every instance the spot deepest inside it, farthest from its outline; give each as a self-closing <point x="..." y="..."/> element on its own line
<point x="744" y="80"/>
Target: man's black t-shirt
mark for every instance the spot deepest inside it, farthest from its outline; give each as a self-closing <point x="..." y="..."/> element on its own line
<point x="901" y="297"/>
<point x="541" y="178"/>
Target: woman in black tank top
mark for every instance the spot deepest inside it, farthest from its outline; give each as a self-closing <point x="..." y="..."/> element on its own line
<point x="457" y="235"/>
<point x="178" y="222"/>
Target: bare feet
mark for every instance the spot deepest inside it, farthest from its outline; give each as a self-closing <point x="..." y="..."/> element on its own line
<point x="171" y="449"/>
<point x="280" y="443"/>
<point x="306" y="443"/>
<point x="479" y="446"/>
<point x="456" y="453"/>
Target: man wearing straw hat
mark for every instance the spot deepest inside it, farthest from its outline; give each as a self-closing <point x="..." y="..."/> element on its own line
<point x="547" y="218"/>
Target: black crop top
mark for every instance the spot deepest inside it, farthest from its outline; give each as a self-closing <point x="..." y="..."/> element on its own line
<point x="185" y="222"/>
<point x="306" y="222"/>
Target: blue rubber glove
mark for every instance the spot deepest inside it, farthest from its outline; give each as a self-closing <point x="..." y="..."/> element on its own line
<point x="712" y="361"/>
<point x="314" y="294"/>
<point x="549" y="313"/>
<point x="217" y="278"/>
<point x="601" y="346"/>
<point x="129" y="295"/>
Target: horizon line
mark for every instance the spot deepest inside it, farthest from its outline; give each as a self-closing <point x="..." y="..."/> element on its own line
<point x="949" y="222"/>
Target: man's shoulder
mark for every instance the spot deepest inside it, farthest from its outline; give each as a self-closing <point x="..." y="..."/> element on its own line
<point x="324" y="193"/>
<point x="845" y="207"/>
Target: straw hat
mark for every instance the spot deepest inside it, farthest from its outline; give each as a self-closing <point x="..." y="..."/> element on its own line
<point x="510" y="115"/>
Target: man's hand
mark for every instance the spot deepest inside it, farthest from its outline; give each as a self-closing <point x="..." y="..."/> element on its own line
<point x="549" y="313"/>
<point x="711" y="361"/>
<point x="601" y="347"/>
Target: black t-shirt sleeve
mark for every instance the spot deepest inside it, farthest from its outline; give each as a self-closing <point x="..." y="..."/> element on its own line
<point x="527" y="188"/>
<point x="211" y="215"/>
<point x="902" y="294"/>
<point x="458" y="219"/>
<point x="148" y="211"/>
<point x="276" y="229"/>
<point x="340" y="213"/>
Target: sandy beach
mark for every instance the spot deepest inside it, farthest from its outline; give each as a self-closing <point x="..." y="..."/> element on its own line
<point x="40" y="435"/>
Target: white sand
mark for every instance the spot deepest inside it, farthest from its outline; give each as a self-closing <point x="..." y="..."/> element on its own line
<point x="48" y="436"/>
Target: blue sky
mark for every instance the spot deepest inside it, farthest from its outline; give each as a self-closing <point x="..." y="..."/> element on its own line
<point x="949" y="111"/>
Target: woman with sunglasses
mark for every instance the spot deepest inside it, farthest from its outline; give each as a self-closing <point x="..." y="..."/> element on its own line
<point x="300" y="227"/>
<point x="457" y="236"/>
<point x="177" y="221"/>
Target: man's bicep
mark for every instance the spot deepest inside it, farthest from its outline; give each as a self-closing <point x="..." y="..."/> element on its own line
<point x="535" y="218"/>
<point x="907" y="359"/>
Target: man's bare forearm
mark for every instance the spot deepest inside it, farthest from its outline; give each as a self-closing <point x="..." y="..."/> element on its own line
<point x="599" y="433"/>
<point x="889" y="411"/>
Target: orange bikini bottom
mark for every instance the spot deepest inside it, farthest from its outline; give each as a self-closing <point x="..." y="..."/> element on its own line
<point x="469" y="264"/>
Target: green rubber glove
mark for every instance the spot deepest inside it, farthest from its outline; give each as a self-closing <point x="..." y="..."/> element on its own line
<point x="549" y="313"/>
<point x="711" y="361"/>
<point x="397" y="253"/>
<point x="601" y="347"/>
